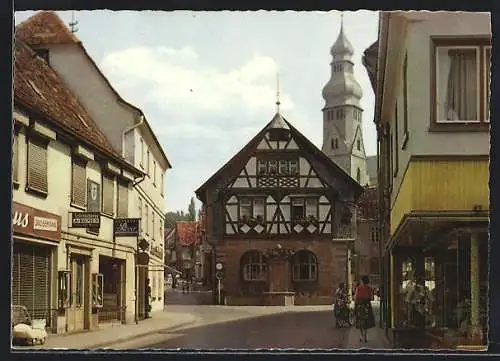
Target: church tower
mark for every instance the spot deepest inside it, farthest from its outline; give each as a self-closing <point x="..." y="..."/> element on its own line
<point x="342" y="114"/>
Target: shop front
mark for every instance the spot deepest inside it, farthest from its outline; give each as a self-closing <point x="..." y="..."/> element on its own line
<point x="36" y="236"/>
<point x="113" y="308"/>
<point x="438" y="278"/>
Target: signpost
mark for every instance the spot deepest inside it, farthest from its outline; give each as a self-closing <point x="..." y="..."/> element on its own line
<point x="85" y="220"/>
<point x="219" y="275"/>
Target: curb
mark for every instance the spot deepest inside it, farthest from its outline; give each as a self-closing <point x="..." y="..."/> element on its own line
<point x="128" y="338"/>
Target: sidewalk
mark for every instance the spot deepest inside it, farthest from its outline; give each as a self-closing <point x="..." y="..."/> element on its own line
<point x="376" y="339"/>
<point x="105" y="337"/>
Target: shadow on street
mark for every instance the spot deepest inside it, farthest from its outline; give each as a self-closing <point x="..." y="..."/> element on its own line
<point x="312" y="329"/>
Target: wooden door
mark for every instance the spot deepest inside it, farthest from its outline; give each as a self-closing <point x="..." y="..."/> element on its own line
<point x="79" y="285"/>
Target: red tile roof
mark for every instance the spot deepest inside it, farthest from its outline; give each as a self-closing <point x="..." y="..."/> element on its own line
<point x="45" y="27"/>
<point x="38" y="88"/>
<point x="188" y="233"/>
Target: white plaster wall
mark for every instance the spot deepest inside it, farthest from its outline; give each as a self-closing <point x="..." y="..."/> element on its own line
<point x="418" y="46"/>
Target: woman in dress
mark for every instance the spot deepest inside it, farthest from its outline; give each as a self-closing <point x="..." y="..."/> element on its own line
<point x="363" y="308"/>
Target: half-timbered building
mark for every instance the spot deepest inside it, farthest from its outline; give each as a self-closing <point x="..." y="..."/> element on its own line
<point x="279" y="215"/>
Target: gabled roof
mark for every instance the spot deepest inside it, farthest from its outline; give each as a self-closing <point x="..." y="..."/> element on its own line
<point x="47" y="28"/>
<point x="38" y="88"/>
<point x="234" y="165"/>
<point x="187" y="233"/>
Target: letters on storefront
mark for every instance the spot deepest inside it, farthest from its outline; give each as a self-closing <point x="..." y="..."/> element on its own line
<point x="34" y="222"/>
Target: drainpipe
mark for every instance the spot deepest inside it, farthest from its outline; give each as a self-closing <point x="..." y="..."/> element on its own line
<point x="141" y="122"/>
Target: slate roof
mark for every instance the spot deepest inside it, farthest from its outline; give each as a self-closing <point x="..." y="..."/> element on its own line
<point x="370" y="59"/>
<point x="47" y="28"/>
<point x="38" y="88"/>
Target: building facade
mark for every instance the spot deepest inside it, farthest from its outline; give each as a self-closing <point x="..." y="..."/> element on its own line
<point x="432" y="116"/>
<point x="279" y="215"/>
<point x="125" y="126"/>
<point x="63" y="166"/>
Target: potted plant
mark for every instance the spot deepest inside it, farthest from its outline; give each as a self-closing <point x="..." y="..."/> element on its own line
<point x="260" y="220"/>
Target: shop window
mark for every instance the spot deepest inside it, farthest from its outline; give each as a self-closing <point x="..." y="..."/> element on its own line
<point x="305" y="267"/>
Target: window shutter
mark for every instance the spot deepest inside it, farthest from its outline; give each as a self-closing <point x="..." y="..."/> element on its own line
<point x="79" y="168"/>
<point x="122" y="200"/>
<point x="15" y="158"/>
<point x="37" y="165"/>
<point x="108" y="191"/>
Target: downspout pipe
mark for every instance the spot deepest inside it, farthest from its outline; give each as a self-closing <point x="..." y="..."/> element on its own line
<point x="129" y="129"/>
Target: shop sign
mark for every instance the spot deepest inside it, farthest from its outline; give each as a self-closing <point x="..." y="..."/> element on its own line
<point x="85" y="220"/>
<point x="125" y="227"/>
<point x="31" y="221"/>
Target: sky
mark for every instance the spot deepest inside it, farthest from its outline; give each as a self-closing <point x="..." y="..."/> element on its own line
<point x="207" y="81"/>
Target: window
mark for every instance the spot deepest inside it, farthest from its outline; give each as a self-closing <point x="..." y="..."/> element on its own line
<point x="340" y="113"/>
<point x="358" y="144"/>
<point x="283" y="167"/>
<point x="245" y="208"/>
<point x="334" y="143"/>
<point x="153" y="224"/>
<point x="357" y="114"/>
<point x="37" y="165"/>
<point x="279" y="134"/>
<point x="395" y="143"/>
<point x="79" y="283"/>
<point x="15" y="158"/>
<point x="375" y="233"/>
<point x="108" y="192"/>
<point x="261" y="167"/>
<point x="122" y="203"/>
<point x="259" y="207"/>
<point x="405" y="102"/>
<point x="358" y="176"/>
<point x="148" y="163"/>
<point x="462" y="79"/>
<point x="139" y="203"/>
<point x="305" y="267"/>
<point x="142" y="154"/>
<point x="253" y="266"/>
<point x="154" y="173"/>
<point x="298" y="209"/>
<point x="294" y="167"/>
<point x="146" y="218"/>
<point x="273" y="167"/>
<point x="487" y="76"/>
<point x="161" y="236"/>
<point x="337" y="68"/>
<point x="162" y="185"/>
<point x="78" y="182"/>
<point x="154" y="290"/>
<point x="311" y="207"/>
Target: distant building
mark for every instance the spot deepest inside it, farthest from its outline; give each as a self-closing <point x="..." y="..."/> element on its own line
<point x="63" y="164"/>
<point x="279" y="215"/>
<point x="125" y="126"/>
<point x="432" y="86"/>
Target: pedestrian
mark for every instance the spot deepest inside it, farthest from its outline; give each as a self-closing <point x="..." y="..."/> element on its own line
<point x="147" y="305"/>
<point x="340" y="307"/>
<point x="363" y="308"/>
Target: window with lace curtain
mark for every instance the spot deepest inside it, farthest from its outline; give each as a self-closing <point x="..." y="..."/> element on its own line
<point x="462" y="78"/>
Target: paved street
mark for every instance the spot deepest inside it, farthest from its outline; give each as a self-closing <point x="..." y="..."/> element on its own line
<point x="220" y="327"/>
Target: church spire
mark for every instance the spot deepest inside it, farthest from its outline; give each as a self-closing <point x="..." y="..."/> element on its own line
<point x="278" y="93"/>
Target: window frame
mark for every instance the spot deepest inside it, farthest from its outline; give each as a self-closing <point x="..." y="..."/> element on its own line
<point x="78" y="162"/>
<point x="141" y="163"/>
<point x="120" y="184"/>
<point x="148" y="161"/>
<point x="112" y="178"/>
<point x="240" y="206"/>
<point x="395" y="143"/>
<point x="162" y="191"/>
<point x="293" y="217"/>
<point x="248" y="263"/>
<point x="312" y="262"/>
<point x="15" y="158"/>
<point x="406" y="133"/>
<point x="42" y="143"/>
<point x="478" y="42"/>
<point x="487" y="83"/>
<point x="154" y="173"/>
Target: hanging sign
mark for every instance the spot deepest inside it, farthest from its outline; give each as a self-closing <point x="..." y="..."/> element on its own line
<point x="85" y="219"/>
<point x="124" y="227"/>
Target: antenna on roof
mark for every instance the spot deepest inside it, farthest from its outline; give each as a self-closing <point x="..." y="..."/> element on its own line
<point x="73" y="23"/>
<point x="278" y="93"/>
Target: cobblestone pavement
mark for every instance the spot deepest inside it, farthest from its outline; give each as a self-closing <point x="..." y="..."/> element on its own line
<point x="222" y="327"/>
